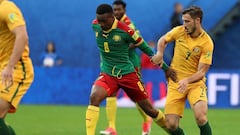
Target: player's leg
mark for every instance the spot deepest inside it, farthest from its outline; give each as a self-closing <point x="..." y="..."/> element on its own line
<point x="147" y="121"/>
<point x="156" y="114"/>
<point x="102" y="87"/>
<point x="111" y="110"/>
<point x="4" y="107"/>
<point x="200" y="113"/>
<point x="134" y="88"/>
<point x="98" y="94"/>
<point x="5" y="128"/>
<point x="11" y="96"/>
<point x="198" y="100"/>
<point x="174" y="107"/>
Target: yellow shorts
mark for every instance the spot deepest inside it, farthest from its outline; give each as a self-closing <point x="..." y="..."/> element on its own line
<point x="22" y="79"/>
<point x="176" y="101"/>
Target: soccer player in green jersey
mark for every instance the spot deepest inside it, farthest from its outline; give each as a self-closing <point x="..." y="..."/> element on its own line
<point x="117" y="71"/>
<point x="119" y="10"/>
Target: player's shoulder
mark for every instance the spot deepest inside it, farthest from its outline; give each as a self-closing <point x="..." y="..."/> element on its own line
<point x="8" y="8"/>
<point x="177" y="31"/>
<point x="124" y="27"/>
<point x="8" y="5"/>
<point x="127" y="20"/>
<point x="95" y="25"/>
<point x="180" y="29"/>
<point x="95" y="21"/>
<point x="206" y="37"/>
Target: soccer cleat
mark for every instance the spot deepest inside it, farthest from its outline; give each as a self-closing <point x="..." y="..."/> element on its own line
<point x="108" y="131"/>
<point x="146" y="127"/>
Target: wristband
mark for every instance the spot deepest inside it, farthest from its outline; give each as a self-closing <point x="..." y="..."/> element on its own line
<point x="165" y="67"/>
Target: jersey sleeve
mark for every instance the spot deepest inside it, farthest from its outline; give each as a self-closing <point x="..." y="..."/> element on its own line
<point x="144" y="47"/>
<point x="95" y="24"/>
<point x="134" y="37"/>
<point x="207" y="52"/>
<point x="12" y="16"/>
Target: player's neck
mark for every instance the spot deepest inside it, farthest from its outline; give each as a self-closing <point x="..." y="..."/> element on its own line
<point x="196" y="33"/>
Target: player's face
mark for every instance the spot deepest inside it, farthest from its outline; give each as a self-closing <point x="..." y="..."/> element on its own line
<point x="189" y="23"/>
<point x="105" y="20"/>
<point x="118" y="11"/>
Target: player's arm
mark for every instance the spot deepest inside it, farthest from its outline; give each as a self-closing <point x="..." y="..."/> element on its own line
<point x="21" y="39"/>
<point x="169" y="72"/>
<point x="202" y="70"/>
<point x="158" y="58"/>
<point x="144" y="47"/>
<point x="161" y="45"/>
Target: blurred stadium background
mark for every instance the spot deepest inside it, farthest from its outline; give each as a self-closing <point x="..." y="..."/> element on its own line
<point x="68" y="24"/>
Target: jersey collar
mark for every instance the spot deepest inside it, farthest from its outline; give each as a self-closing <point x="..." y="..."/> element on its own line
<point x="123" y="18"/>
<point x="114" y="26"/>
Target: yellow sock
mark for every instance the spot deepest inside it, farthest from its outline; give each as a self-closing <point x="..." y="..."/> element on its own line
<point x="92" y="115"/>
<point x="111" y="109"/>
<point x="161" y="120"/>
<point x="146" y="118"/>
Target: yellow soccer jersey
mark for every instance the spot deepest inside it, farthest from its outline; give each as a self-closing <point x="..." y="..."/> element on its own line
<point x="189" y="52"/>
<point x="10" y="18"/>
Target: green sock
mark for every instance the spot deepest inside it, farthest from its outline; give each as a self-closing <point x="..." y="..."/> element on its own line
<point x="12" y="132"/>
<point x="178" y="131"/>
<point x="4" y="130"/>
<point x="205" y="129"/>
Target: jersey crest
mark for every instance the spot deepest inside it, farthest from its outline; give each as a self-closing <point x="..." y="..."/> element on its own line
<point x="196" y="50"/>
<point x="117" y="38"/>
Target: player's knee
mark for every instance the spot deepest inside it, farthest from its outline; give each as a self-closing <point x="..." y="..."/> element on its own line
<point x="95" y="99"/>
<point x="4" y="107"/>
<point x="201" y="120"/>
<point x="172" y="123"/>
<point x="171" y="126"/>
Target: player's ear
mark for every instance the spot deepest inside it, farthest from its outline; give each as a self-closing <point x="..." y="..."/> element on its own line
<point x="198" y="20"/>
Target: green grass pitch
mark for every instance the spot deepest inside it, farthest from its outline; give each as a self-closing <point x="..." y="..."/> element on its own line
<point x="70" y="120"/>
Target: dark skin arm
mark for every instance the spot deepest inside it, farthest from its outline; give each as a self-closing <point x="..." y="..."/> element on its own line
<point x="171" y="73"/>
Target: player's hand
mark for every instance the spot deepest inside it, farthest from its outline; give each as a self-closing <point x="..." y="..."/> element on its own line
<point x="183" y="84"/>
<point x="157" y="59"/>
<point x="171" y="73"/>
<point x="7" y="77"/>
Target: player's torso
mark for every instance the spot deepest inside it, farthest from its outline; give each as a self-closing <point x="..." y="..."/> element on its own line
<point x="187" y="54"/>
<point x="134" y="58"/>
<point x="114" y="53"/>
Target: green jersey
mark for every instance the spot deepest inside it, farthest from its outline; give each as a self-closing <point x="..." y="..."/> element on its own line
<point x="114" y="48"/>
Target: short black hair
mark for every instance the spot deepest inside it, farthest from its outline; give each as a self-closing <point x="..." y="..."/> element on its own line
<point x="104" y="8"/>
<point x="120" y="2"/>
<point x="194" y="12"/>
